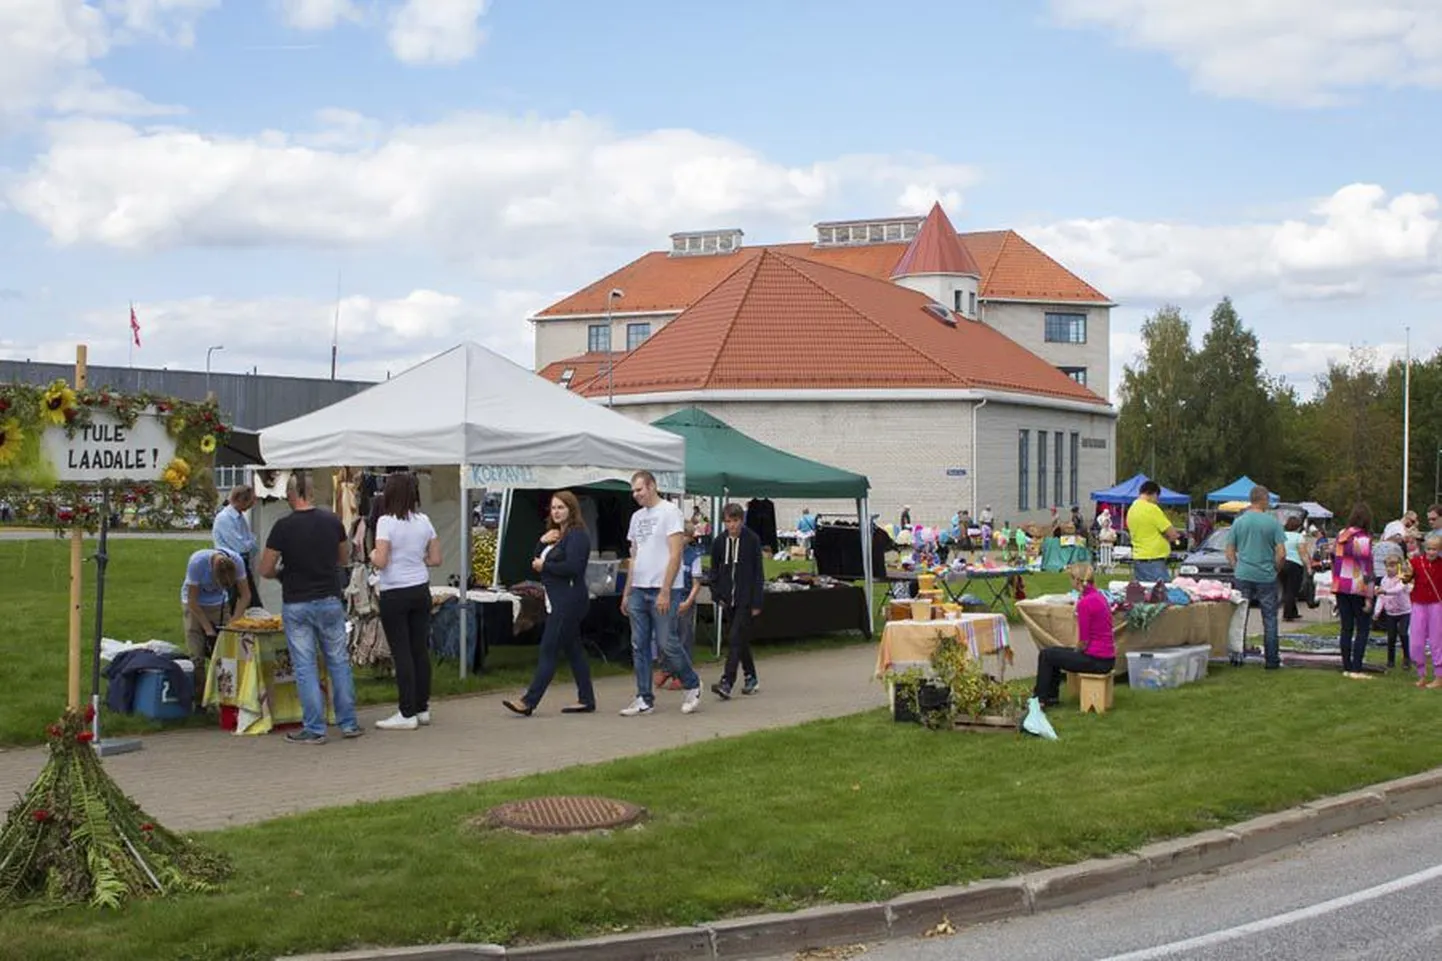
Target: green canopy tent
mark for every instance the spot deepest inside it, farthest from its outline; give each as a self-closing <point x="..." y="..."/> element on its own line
<point x="721" y="462"/>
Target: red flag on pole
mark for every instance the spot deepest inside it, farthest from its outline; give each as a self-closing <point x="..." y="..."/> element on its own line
<point x="134" y="326"/>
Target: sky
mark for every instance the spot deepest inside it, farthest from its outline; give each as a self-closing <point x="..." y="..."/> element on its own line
<point x="251" y="173"/>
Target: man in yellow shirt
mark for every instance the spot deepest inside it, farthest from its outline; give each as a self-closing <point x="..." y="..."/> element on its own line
<point x="1151" y="534"/>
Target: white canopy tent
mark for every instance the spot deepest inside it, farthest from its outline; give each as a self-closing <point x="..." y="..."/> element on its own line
<point x="499" y="425"/>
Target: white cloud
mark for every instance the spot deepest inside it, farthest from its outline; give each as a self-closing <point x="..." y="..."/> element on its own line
<point x="293" y="335"/>
<point x="1296" y="52"/>
<point x="48" y="49"/>
<point x="319" y="14"/>
<point x="483" y="187"/>
<point x="171" y="21"/>
<point x="1353" y="240"/>
<point x="436" y="31"/>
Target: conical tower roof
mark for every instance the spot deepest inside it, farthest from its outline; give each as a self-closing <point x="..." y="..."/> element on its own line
<point x="936" y="249"/>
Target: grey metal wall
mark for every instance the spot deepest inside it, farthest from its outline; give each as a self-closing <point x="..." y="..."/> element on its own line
<point x="249" y="401"/>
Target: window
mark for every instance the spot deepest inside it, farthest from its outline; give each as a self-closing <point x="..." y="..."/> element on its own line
<point x="598" y="339"/>
<point x="1059" y="449"/>
<point x="1078" y="374"/>
<point x="956" y="301"/>
<point x="1023" y="466"/>
<point x="1075" y="456"/>
<point x="636" y="334"/>
<point x="1040" y="469"/>
<point x="971" y="304"/>
<point x="568" y="375"/>
<point x="1066" y="328"/>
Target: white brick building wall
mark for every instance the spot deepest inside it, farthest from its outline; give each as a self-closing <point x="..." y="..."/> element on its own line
<point x="906" y="446"/>
<point x="1025" y="323"/>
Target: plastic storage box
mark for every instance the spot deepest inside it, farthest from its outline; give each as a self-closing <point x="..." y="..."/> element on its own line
<point x="1159" y="669"/>
<point x="154" y="697"/>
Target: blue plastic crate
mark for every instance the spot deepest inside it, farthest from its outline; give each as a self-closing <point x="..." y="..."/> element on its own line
<point x="155" y="699"/>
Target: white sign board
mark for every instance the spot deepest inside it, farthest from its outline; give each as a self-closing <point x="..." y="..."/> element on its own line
<point x="535" y="477"/>
<point x="106" y="450"/>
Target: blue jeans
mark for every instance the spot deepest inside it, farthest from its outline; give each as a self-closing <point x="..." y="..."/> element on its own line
<point x="313" y="627"/>
<point x="1151" y="571"/>
<point x="1265" y="594"/>
<point x="648" y="626"/>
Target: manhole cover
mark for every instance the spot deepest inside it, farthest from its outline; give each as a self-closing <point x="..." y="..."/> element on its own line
<point x="562" y="815"/>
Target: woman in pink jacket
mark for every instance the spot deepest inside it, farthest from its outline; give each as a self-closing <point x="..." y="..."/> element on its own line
<point x="1096" y="650"/>
<point x="1352" y="583"/>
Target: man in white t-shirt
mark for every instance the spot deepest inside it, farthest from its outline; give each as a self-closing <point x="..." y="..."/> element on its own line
<point x="653" y="592"/>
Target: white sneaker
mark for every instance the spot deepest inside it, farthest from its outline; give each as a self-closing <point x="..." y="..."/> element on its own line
<point x="692" y="703"/>
<point x="638" y="706"/>
<point x="424" y="718"/>
<point x="398" y="722"/>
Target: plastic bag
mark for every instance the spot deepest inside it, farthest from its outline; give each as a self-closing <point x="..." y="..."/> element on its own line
<point x="1036" y="721"/>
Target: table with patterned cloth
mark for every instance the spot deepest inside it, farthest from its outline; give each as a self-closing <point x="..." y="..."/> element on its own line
<point x="251" y="672"/>
<point x="1053" y="624"/>
<point x="911" y="642"/>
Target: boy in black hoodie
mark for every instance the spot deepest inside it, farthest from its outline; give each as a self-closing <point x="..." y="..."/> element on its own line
<point x="738" y="588"/>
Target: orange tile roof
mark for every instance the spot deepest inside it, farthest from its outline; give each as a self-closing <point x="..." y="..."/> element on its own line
<point x="936" y="249"/>
<point x="1010" y="268"/>
<point x="583" y="367"/>
<point x="784" y="322"/>
<point x="1013" y="268"/>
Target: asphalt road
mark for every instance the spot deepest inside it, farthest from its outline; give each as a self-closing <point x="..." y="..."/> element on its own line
<point x="1370" y="893"/>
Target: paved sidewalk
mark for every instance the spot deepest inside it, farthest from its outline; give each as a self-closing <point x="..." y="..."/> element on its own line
<point x="200" y="780"/>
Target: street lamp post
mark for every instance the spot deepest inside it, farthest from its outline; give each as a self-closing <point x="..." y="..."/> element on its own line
<point x="208" y="352"/>
<point x="611" y="298"/>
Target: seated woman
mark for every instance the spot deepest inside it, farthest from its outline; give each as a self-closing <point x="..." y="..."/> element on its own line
<point x="1096" y="651"/>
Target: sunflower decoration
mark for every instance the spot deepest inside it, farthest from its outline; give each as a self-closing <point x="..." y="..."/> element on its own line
<point x="207" y="444"/>
<point x="176" y="474"/>
<point x="11" y="438"/>
<point x="57" y="404"/>
<point x="176" y="425"/>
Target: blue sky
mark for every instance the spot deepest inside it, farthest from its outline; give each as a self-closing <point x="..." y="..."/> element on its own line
<point x="462" y="164"/>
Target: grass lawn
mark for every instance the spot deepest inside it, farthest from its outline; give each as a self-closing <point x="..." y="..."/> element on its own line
<point x="850" y="809"/>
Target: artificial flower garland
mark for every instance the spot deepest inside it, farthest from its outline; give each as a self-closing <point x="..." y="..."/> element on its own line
<point x="28" y="482"/>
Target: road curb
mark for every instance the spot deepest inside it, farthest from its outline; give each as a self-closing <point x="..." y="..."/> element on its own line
<point x="910" y="915"/>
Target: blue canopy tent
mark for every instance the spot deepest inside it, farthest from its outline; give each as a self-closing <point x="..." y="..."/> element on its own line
<point x="1238" y="490"/>
<point x="1131" y="488"/>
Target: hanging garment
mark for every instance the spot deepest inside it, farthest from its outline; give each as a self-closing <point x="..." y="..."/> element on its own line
<point x="761" y="518"/>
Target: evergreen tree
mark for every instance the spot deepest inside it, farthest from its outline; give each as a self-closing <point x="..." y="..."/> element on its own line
<point x="1230" y="413"/>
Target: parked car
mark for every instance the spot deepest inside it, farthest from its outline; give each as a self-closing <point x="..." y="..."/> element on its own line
<point x="1209" y="561"/>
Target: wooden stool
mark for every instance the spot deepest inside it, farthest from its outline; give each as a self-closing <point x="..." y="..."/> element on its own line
<point x="1096" y="692"/>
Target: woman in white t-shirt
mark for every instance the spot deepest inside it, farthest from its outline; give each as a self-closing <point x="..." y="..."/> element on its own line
<point x="406" y="546"/>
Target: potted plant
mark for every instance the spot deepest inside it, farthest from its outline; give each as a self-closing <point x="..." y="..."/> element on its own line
<point x="956" y="693"/>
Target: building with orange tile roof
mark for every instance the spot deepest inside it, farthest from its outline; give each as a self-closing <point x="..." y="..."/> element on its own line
<point x="955" y="370"/>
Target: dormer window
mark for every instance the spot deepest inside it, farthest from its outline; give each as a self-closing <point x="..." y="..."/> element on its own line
<point x="568" y="375"/>
<point x="888" y="230"/>
<point x="693" y="243"/>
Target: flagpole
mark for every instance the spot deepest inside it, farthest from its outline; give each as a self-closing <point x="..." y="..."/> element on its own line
<point x="130" y="340"/>
<point x="1407" y="422"/>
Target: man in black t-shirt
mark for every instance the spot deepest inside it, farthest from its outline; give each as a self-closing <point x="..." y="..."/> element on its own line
<point x="306" y="550"/>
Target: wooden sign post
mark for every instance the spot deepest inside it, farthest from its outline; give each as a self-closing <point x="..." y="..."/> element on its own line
<point x="77" y="551"/>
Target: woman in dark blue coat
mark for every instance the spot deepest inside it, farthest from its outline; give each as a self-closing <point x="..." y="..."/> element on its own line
<point x="561" y="558"/>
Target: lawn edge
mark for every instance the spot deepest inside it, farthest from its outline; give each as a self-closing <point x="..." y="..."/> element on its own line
<point x="941" y="910"/>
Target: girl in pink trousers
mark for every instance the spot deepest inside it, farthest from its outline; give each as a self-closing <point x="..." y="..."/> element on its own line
<point x="1427" y="609"/>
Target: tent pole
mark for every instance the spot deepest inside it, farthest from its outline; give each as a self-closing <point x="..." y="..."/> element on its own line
<point x="863" y="511"/>
<point x="465" y="566"/>
<point x="716" y="601"/>
<point x="503" y="519"/>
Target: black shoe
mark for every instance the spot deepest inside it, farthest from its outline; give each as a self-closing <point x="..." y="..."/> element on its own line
<point x="579" y="709"/>
<point x="518" y="707"/>
<point x="752" y="685"/>
<point x="722" y="690"/>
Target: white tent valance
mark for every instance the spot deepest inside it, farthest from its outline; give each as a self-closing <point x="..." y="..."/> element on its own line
<point x="473" y="408"/>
